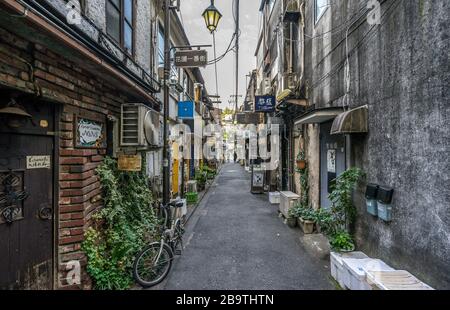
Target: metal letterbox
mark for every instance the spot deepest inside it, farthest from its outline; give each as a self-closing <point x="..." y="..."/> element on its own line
<point x="384" y="199"/>
<point x="371" y="199"/>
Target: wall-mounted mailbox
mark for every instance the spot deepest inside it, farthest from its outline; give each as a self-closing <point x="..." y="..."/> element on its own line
<point x="384" y="199"/>
<point x="371" y="199"/>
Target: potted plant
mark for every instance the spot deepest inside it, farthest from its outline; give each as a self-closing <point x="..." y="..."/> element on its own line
<point x="324" y="220"/>
<point x="307" y="219"/>
<point x="200" y="177"/>
<point x="301" y="160"/>
<point x="341" y="241"/>
<point x="291" y="220"/>
<point x="341" y="215"/>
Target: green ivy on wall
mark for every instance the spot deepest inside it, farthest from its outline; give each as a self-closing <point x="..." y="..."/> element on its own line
<point x="121" y="228"/>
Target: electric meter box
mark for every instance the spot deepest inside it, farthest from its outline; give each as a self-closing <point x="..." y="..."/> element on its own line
<point x="371" y="199"/>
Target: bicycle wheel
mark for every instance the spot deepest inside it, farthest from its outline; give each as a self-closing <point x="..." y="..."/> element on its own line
<point x="145" y="271"/>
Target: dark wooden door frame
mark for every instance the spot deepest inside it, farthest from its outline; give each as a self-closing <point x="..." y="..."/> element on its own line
<point x="55" y="244"/>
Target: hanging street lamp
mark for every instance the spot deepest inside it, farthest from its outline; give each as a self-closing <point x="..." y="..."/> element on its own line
<point x="212" y="17"/>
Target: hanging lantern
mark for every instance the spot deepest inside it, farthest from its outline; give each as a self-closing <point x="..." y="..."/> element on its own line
<point x="15" y="114"/>
<point x="212" y="17"/>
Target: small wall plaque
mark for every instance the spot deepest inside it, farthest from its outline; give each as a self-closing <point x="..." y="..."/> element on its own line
<point x="130" y="162"/>
<point x="39" y="162"/>
<point x="90" y="134"/>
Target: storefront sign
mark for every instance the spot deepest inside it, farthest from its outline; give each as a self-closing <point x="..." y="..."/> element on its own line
<point x="191" y="58"/>
<point x="38" y="162"/>
<point x="249" y="118"/>
<point x="265" y="103"/>
<point x="90" y="134"/>
<point x="130" y="162"/>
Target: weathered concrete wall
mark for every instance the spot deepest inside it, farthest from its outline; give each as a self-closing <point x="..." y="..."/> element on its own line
<point x="313" y="149"/>
<point x="96" y="11"/>
<point x="401" y="69"/>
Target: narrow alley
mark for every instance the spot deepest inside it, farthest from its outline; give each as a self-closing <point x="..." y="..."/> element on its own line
<point x="235" y="240"/>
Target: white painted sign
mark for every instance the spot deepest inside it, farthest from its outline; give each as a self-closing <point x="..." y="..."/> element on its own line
<point x="38" y="162"/>
<point x="90" y="133"/>
<point x="258" y="179"/>
<point x="331" y="161"/>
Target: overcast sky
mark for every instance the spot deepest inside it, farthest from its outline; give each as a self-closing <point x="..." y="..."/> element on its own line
<point x="197" y="33"/>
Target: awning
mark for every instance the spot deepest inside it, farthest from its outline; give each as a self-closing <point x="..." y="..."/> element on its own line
<point x="319" y="116"/>
<point x="353" y="121"/>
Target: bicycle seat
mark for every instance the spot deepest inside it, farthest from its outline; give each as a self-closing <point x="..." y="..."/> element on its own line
<point x="176" y="204"/>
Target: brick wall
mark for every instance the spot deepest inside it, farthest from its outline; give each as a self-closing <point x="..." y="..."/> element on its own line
<point x="34" y="69"/>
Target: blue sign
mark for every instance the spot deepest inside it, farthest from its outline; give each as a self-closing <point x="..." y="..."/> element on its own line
<point x="186" y="109"/>
<point x="264" y="103"/>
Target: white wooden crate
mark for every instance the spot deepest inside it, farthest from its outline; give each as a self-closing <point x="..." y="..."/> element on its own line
<point x="395" y="280"/>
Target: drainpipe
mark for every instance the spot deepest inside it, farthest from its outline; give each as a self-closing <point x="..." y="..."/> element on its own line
<point x="302" y="30"/>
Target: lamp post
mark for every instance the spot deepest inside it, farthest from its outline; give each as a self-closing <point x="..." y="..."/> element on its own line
<point x="212" y="17"/>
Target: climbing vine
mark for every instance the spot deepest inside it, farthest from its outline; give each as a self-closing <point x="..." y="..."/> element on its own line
<point x="121" y="228"/>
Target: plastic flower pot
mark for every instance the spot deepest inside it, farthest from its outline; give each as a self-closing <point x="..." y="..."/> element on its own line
<point x="301" y="164"/>
<point x="291" y="222"/>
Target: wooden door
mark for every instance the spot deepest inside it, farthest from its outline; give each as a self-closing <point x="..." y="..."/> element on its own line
<point x="26" y="202"/>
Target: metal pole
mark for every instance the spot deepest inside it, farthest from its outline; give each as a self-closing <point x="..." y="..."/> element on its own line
<point x="215" y="63"/>
<point x="166" y="171"/>
<point x="237" y="55"/>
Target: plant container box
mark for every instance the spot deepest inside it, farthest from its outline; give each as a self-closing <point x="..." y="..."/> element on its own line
<point x="274" y="197"/>
<point x="337" y="265"/>
<point x="192" y="186"/>
<point x="306" y="226"/>
<point x="372" y="207"/>
<point x="395" y="280"/>
<point x="355" y="272"/>
<point x="191" y="198"/>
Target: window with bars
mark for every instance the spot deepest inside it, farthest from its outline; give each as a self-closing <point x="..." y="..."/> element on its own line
<point x="120" y="22"/>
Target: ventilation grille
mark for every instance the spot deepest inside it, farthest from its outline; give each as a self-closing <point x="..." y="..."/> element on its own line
<point x="130" y="125"/>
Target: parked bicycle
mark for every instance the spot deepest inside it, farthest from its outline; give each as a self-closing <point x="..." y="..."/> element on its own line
<point x="154" y="262"/>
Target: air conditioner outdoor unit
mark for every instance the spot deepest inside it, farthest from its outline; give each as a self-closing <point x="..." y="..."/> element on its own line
<point x="287" y="201"/>
<point x="140" y="126"/>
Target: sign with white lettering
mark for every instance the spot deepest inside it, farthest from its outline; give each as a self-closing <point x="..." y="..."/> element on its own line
<point x="191" y="58"/>
<point x="90" y="134"/>
<point x="38" y="162"/>
<point x="264" y="103"/>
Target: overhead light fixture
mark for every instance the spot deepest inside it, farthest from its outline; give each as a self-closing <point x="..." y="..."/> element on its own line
<point x="212" y="17"/>
<point x="15" y="114"/>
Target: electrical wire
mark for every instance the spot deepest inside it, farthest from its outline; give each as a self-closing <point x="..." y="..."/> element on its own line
<point x="338" y="66"/>
<point x="215" y="63"/>
<point x="229" y="48"/>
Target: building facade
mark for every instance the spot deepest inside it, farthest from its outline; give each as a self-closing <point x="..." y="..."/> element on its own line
<point x="66" y="70"/>
<point x="386" y="67"/>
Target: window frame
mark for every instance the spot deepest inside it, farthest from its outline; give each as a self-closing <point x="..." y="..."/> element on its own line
<point x="316" y="16"/>
<point x="123" y="21"/>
